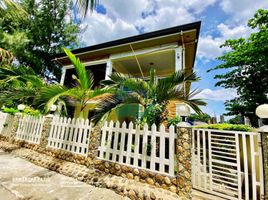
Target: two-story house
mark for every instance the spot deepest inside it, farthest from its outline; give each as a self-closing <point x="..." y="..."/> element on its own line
<point x="165" y="50"/>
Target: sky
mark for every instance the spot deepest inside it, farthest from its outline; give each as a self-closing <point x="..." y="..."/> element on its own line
<point x="221" y="20"/>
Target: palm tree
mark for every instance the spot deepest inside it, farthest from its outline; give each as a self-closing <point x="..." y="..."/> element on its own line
<point x="79" y="96"/>
<point x="11" y="9"/>
<point x="152" y="95"/>
<point x="85" y="5"/>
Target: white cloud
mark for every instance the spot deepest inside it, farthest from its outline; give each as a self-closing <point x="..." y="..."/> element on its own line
<point x="101" y="28"/>
<point x="128" y="11"/>
<point x="231" y="33"/>
<point x="165" y="17"/>
<point x="123" y="17"/>
<point x="242" y="10"/>
<point x="217" y="95"/>
<point x="209" y="47"/>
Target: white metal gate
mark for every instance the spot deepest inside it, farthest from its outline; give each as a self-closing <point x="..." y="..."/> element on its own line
<point x="227" y="163"/>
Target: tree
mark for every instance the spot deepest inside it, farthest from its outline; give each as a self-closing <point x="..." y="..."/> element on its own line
<point x="236" y="120"/>
<point x="247" y="69"/>
<point x="203" y="117"/>
<point x="153" y="95"/>
<point x="34" y="39"/>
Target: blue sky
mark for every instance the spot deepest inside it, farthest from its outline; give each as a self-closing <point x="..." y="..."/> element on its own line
<point x="221" y="20"/>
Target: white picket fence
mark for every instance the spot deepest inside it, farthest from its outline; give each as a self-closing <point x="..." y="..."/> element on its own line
<point x="30" y="128"/>
<point x="228" y="163"/>
<point x="70" y="135"/>
<point x="152" y="149"/>
<point x="3" y="117"/>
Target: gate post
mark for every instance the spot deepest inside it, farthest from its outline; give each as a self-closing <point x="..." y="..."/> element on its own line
<point x="264" y="144"/>
<point x="93" y="145"/>
<point x="14" y="126"/>
<point x="184" y="157"/>
<point x="45" y="131"/>
<point x="262" y="113"/>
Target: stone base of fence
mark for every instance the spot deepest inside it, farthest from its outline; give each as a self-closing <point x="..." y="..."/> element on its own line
<point x="144" y="176"/>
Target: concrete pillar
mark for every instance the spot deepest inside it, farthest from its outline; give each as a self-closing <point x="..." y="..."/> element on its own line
<point x="264" y="137"/>
<point x="184" y="157"/>
<point x="45" y="131"/>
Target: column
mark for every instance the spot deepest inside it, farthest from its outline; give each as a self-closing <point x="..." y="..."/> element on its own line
<point x="264" y="137"/>
<point x="109" y="69"/>
<point x="184" y="157"/>
<point x="178" y="59"/>
<point x="63" y="73"/>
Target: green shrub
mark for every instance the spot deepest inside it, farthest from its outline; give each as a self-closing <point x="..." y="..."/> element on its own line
<point x="11" y="111"/>
<point x="232" y="127"/>
<point x="30" y="111"/>
<point x="173" y="121"/>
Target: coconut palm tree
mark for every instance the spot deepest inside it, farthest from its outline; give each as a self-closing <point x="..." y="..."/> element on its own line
<point x="152" y="95"/>
<point x="79" y="96"/>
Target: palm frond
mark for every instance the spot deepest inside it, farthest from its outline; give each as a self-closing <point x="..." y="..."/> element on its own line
<point x="11" y="9"/>
<point x="111" y="103"/>
<point x="85" y="79"/>
<point x="194" y="103"/>
<point x="20" y="94"/>
<point x="85" y="5"/>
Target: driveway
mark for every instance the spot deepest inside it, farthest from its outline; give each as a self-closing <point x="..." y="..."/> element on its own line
<point x="20" y="179"/>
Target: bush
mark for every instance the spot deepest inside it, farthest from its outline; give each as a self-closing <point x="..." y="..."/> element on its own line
<point x="27" y="111"/>
<point x="11" y="111"/>
<point x="199" y="117"/>
<point x="173" y="121"/>
<point x="231" y="127"/>
<point x="30" y="111"/>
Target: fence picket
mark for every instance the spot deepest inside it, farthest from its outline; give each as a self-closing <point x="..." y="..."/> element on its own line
<point x="129" y="142"/>
<point x="171" y="156"/>
<point x="30" y="128"/>
<point x="70" y="135"/>
<point x="145" y="146"/>
<point x="136" y="145"/>
<point x="122" y="142"/>
<point x="162" y="148"/>
<point x="153" y="151"/>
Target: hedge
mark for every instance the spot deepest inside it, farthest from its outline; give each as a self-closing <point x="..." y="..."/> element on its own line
<point x="225" y="126"/>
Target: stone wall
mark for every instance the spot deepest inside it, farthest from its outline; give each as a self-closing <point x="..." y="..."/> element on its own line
<point x="141" y="175"/>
